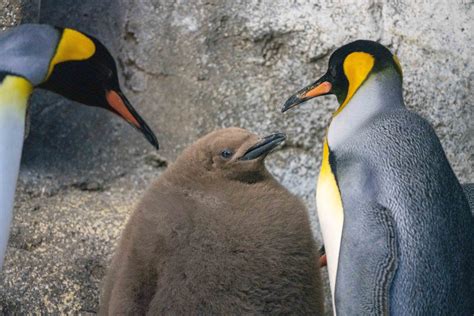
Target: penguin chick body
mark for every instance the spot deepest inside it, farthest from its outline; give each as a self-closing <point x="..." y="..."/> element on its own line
<point x="397" y="227"/>
<point x="217" y="234"/>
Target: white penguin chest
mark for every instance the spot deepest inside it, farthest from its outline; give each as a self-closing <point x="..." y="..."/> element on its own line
<point x="331" y="215"/>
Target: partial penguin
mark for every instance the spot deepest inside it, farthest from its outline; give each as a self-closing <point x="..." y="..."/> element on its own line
<point x="397" y="227"/>
<point x="217" y="235"/>
<point x="63" y="60"/>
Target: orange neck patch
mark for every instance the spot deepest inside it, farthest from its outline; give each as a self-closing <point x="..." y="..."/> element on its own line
<point x="15" y="92"/>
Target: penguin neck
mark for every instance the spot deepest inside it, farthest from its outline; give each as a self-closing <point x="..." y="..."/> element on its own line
<point x="197" y="178"/>
<point x="381" y="92"/>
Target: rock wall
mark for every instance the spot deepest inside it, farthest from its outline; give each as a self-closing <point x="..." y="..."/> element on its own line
<point x="190" y="67"/>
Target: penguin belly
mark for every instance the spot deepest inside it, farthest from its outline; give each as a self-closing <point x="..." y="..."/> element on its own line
<point x="331" y="216"/>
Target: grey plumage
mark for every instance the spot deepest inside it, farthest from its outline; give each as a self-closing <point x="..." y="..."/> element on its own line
<point x="27" y="51"/>
<point x="211" y="237"/>
<point x="430" y="233"/>
<point x="469" y="193"/>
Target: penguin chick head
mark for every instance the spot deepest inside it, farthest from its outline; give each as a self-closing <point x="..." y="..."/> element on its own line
<point x="83" y="70"/>
<point x="349" y="67"/>
<point x="231" y="153"/>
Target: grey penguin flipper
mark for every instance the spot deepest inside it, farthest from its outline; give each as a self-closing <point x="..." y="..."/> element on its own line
<point x="377" y="261"/>
<point x="468" y="189"/>
<point x="27" y="123"/>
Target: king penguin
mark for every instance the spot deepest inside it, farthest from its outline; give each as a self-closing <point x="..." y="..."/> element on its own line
<point x="217" y="235"/>
<point x="63" y="60"/>
<point x="396" y="225"/>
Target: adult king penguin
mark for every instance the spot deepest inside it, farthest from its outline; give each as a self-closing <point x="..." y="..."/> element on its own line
<point x="397" y="227"/>
<point x="68" y="62"/>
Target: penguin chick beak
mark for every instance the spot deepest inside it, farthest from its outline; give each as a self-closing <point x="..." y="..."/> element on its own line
<point x="121" y="106"/>
<point x="320" y="87"/>
<point x="263" y="147"/>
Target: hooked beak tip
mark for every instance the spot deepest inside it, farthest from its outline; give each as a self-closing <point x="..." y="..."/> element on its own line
<point x="154" y="143"/>
<point x="293" y="101"/>
<point x="150" y="136"/>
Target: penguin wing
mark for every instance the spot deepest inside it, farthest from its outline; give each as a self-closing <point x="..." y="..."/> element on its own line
<point x="367" y="260"/>
<point x="398" y="166"/>
<point x="469" y="193"/>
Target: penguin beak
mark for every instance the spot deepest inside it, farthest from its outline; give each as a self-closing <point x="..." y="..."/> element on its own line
<point x="120" y="105"/>
<point x="322" y="86"/>
<point x="264" y="146"/>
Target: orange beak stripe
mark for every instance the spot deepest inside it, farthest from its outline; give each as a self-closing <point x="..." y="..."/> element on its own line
<point x="322" y="88"/>
<point x="116" y="102"/>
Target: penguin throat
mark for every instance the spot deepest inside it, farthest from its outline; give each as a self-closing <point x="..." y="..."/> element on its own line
<point x="14" y="93"/>
<point x="381" y="92"/>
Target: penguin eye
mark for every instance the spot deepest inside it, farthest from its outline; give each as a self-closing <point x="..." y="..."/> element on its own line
<point x="333" y="72"/>
<point x="226" y="153"/>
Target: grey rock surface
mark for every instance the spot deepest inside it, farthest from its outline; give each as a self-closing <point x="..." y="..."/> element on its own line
<point x="13" y="12"/>
<point x="190" y="67"/>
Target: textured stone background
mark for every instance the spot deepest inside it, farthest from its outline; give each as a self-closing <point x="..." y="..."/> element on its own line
<point x="189" y="67"/>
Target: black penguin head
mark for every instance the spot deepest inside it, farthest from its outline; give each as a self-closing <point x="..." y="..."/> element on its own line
<point x="231" y="153"/>
<point x="349" y="67"/>
<point x="83" y="70"/>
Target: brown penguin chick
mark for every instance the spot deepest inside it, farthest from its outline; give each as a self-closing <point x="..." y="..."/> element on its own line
<point x="217" y="234"/>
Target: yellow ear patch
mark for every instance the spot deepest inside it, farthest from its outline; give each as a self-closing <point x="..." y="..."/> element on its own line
<point x="356" y="67"/>
<point x="72" y="46"/>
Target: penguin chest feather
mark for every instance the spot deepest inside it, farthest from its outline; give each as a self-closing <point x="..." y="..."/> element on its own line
<point x="330" y="213"/>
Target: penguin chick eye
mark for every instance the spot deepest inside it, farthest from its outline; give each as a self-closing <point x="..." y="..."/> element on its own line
<point x="226" y="153"/>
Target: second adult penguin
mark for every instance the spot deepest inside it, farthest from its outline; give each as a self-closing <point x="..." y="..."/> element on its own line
<point x="397" y="228"/>
<point x="217" y="235"/>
